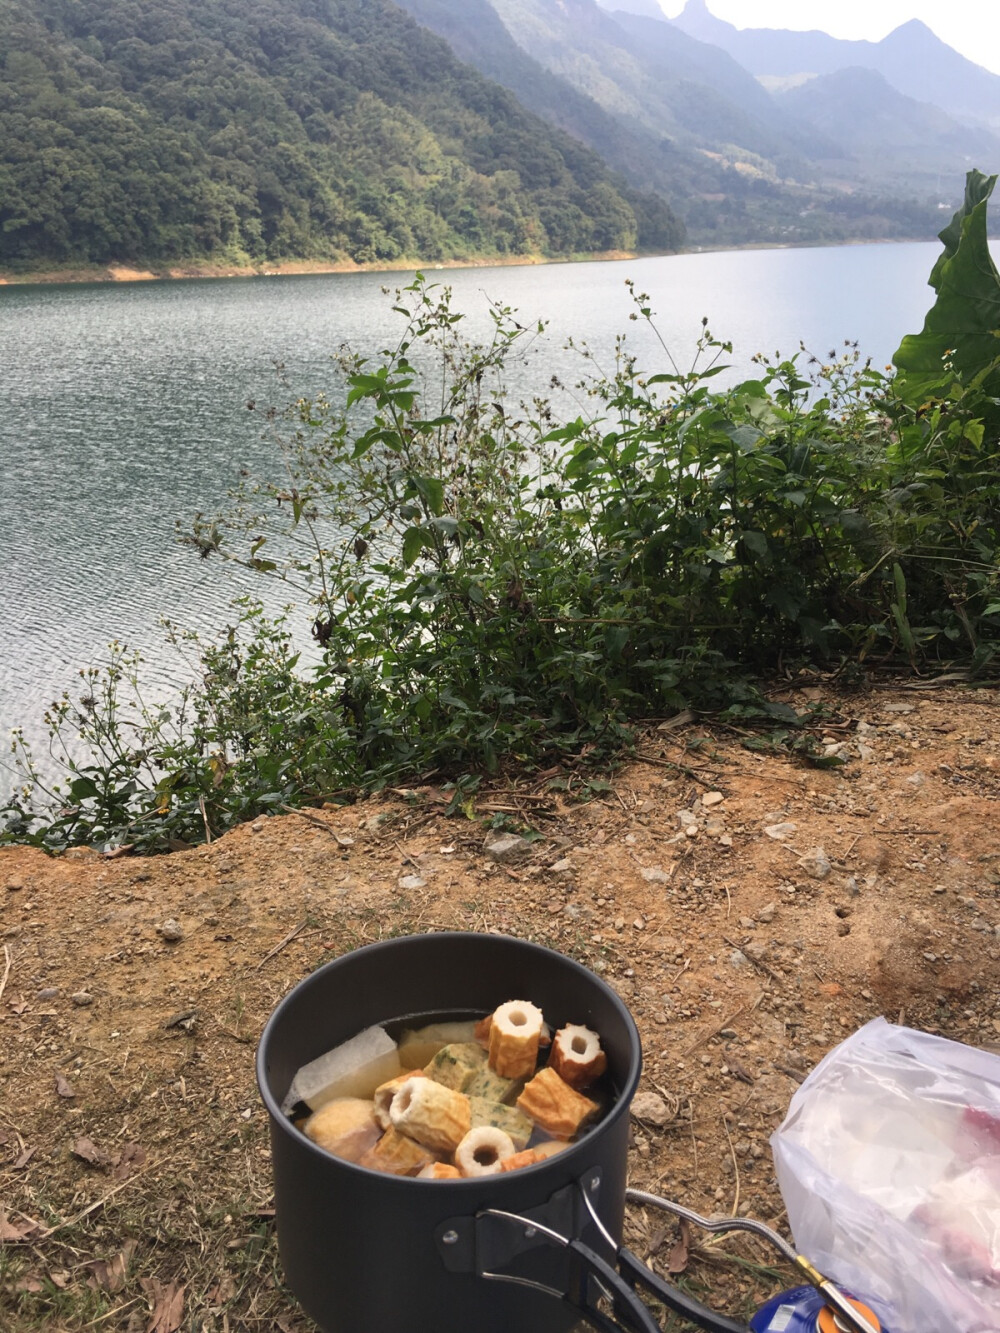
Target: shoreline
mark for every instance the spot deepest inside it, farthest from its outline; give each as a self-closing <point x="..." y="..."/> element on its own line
<point x="124" y="273"/>
<point x="195" y="269"/>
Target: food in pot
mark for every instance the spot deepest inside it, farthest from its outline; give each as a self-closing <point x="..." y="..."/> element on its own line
<point x="456" y="1065"/>
<point x="397" y="1155"/>
<point x="559" y="1109"/>
<point x="436" y="1116"/>
<point x="514" y="1123"/>
<point x="439" y="1171"/>
<point x="493" y="1088"/>
<point x="576" y="1056"/>
<point x="451" y="1116"/>
<point x="385" y="1092"/>
<point x="346" y="1127"/>
<point x="515" y="1033"/>
<point x="349" y="1070"/>
<point x="418" y="1046"/>
<point x="482" y="1151"/>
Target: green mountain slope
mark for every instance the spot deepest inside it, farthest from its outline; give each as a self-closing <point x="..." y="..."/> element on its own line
<point x="255" y="130"/>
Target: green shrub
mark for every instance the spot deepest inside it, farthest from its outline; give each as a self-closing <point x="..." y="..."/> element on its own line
<point x="490" y="584"/>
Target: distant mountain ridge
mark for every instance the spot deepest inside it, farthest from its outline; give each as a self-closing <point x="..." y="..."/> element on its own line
<point x="912" y="59"/>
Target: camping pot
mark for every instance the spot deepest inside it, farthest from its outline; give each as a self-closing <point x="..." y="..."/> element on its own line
<point x="366" y="1252"/>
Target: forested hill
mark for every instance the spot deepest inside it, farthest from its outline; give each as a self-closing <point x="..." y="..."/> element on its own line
<point x="251" y="131"/>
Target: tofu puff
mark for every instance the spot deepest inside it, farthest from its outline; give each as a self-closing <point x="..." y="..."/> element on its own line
<point x="433" y="1115"/>
<point x="556" y="1107"/>
<point x="345" y="1127"/>
<point x="515" y="1035"/>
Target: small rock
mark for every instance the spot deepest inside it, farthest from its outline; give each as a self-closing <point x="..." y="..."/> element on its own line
<point x="654" y="875"/>
<point x="685" y="818"/>
<point x="756" y="951"/>
<point x="651" y="1108"/>
<point x="780" y="831"/>
<point x="844" y="928"/>
<point x="766" y="914"/>
<point x="898" y="708"/>
<point x="562" y="867"/>
<point x="865" y="753"/>
<point x="171" y="931"/>
<point x="82" y="998"/>
<point x="725" y="840"/>
<point x="619" y="923"/>
<point x="507" y="848"/>
<point x="712" y="798"/>
<point x="14" y="885"/>
<point x="412" y="882"/>
<point x="49" y="993"/>
<point x="638" y="924"/>
<point x="257" y="828"/>
<point x="691" y="831"/>
<point x="851" y="885"/>
<point x="816" y="863"/>
<point x="739" y="959"/>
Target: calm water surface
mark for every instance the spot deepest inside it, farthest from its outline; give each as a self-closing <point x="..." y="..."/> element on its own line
<point x="123" y="408"/>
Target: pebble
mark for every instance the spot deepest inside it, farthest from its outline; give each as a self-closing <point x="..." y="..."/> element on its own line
<point x="739" y="959"/>
<point x="171" y="931"/>
<point x="561" y="867"/>
<point x="14" y="885"/>
<point x="865" y="753"/>
<point x="780" y="831"/>
<point x="898" y="708"/>
<point x="712" y="798"/>
<point x="691" y="831"/>
<point x="844" y="928"/>
<point x="82" y="998"/>
<point x="816" y="863"/>
<point x="654" y="875"/>
<point x="755" y="950"/>
<point x="651" y="1108"/>
<point x="49" y="993"/>
<point x="507" y="848"/>
<point x="685" y="818"/>
<point x="412" y="882"/>
<point x="257" y="828"/>
<point x="766" y="914"/>
<point x="916" y="780"/>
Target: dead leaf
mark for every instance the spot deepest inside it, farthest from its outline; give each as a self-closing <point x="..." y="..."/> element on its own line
<point x="19" y="1006"/>
<point x="168" y="1305"/>
<point x="30" y="1284"/>
<point x="88" y="1151"/>
<point x="123" y="849"/>
<point x="128" y="1161"/>
<point x="63" y="1087"/>
<point x="13" y="1233"/>
<point x="655" y="1244"/>
<point x="59" y="1279"/>
<point x="25" y="1158"/>
<point x="110" y="1275"/>
<point x="677" y="1260"/>
<point x="221" y="1292"/>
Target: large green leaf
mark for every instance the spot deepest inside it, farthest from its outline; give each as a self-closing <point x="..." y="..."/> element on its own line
<point x="962" y="328"/>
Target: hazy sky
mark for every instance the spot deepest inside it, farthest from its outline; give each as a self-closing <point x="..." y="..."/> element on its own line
<point x="970" y="26"/>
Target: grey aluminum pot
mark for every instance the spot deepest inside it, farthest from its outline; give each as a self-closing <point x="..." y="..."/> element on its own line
<point x="371" y="1253"/>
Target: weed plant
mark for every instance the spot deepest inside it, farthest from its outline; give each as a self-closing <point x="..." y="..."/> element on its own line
<point x="490" y="584"/>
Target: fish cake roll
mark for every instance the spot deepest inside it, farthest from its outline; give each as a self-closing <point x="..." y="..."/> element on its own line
<point x="515" y="1034"/>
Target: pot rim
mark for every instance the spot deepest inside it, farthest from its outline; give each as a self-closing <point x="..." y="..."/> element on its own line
<point x="574" y="1150"/>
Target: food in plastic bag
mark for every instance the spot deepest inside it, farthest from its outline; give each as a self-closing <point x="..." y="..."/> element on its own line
<point x="889" y="1166"/>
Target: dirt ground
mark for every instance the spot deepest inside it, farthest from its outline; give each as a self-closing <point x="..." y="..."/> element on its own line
<point x="134" y="1175"/>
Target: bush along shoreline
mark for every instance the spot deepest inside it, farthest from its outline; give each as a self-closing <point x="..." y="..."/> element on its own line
<point x="491" y="585"/>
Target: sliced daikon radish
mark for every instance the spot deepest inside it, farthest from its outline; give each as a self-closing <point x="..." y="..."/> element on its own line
<point x="354" y="1069"/>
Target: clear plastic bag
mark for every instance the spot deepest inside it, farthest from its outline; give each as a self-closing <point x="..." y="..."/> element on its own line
<point x="889" y="1166"/>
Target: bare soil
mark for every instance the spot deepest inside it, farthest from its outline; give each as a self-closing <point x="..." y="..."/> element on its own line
<point x="134" y="1168"/>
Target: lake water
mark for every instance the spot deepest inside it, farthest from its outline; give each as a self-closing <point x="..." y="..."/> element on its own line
<point x="123" y="409"/>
